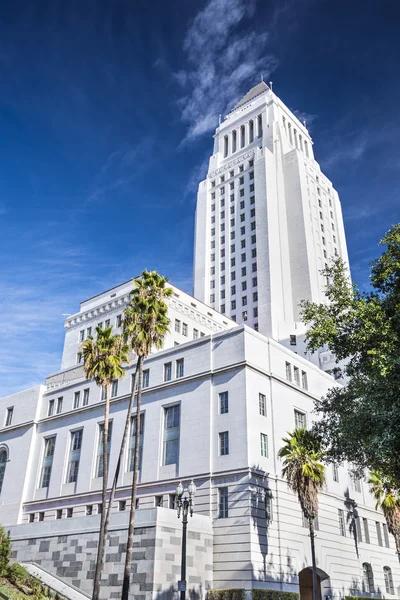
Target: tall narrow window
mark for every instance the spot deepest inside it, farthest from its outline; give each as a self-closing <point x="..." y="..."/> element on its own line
<point x="3" y="464"/>
<point x="288" y="368"/>
<point x="251" y="131"/>
<point x="234" y="141"/>
<point x="299" y="419"/>
<point x="264" y="444"/>
<point x="77" y="396"/>
<point x="59" y="405"/>
<point x="225" y="146"/>
<point x="146" y="378"/>
<point x="74" y="456"/>
<point x="9" y="416"/>
<point x="223" y="503"/>
<point x="100" y="449"/>
<point x="104" y="392"/>
<point x="387" y="573"/>
<point x="49" y="446"/>
<point x="50" y="411"/>
<point x="366" y="530"/>
<point x="119" y="320"/>
<point x="168" y="371"/>
<point x="293" y="340"/>
<point x="242" y="136"/>
<point x="290" y="134"/>
<point x="357" y="522"/>
<point x="224" y="443"/>
<point x="223" y="403"/>
<point x="296" y="373"/>
<point x="259" y="126"/>
<point x="184" y="329"/>
<point x="304" y="381"/>
<point x="385" y="535"/>
<point x="179" y="368"/>
<point x="262" y="404"/>
<point x="114" y="388"/>
<point x="132" y="439"/>
<point x="368" y="578"/>
<point x="342" y="522"/>
<point x="379" y="533"/>
<point x="335" y="472"/>
<point x="306" y="147"/>
<point x="85" y="397"/>
<point x="172" y="416"/>
<point x="177" y="325"/>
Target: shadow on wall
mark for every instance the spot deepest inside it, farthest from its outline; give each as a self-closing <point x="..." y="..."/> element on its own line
<point x="172" y="594"/>
<point x="351" y="517"/>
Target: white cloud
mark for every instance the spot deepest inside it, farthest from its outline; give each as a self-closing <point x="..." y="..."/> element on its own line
<point x="224" y="57"/>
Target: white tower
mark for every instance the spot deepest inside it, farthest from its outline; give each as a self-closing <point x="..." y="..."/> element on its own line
<point x="267" y="219"/>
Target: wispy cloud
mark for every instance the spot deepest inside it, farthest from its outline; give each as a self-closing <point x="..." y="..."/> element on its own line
<point x="223" y="57"/>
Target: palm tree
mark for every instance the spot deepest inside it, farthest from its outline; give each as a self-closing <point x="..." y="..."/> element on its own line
<point x="388" y="500"/>
<point x="145" y="325"/>
<point x="305" y="474"/>
<point x="103" y="358"/>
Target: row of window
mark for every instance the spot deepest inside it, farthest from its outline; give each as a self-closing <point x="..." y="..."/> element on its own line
<point x="295" y="138"/>
<point x="231" y="173"/>
<point x="245" y="134"/>
<point x="368" y="579"/>
<point x="222" y="189"/>
<point x="183" y="328"/>
<point x="295" y="375"/>
<point x="85" y="333"/>
<point x="362" y="529"/>
<point x="232" y="209"/>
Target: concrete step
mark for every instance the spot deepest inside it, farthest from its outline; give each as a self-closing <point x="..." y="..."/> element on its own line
<point x="55" y="583"/>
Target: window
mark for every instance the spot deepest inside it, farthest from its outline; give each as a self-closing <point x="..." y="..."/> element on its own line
<point x="233" y="262"/>
<point x="99" y="509"/>
<point x="379" y="533"/>
<point x="255" y="310"/>
<point x="3" y="464"/>
<point x="304" y="381"/>
<point x="177" y="321"/>
<point x="85" y="397"/>
<point x="79" y="357"/>
<point x="293" y="340"/>
<point x="342" y="524"/>
<point x="223" y="503"/>
<point x="77" y="397"/>
<point x="9" y="416"/>
<point x="168" y="371"/>
<point x="306" y="523"/>
<point x="171" y="501"/>
<point x="243" y="230"/>
<point x="244" y="316"/>
<point x="335" y="472"/>
<point x="70" y="512"/>
<point x="107" y="323"/>
<point x="82" y="335"/>
<point x="233" y="276"/>
<point x="355" y="483"/>
<point x="195" y="334"/>
<point x="132" y="438"/>
<point x="114" y="388"/>
<point x="357" y="522"/>
<point x="74" y="456"/>
<point x="288" y="368"/>
<point x="146" y="378"/>
<point x="121" y="505"/>
<point x="253" y="225"/>
<point x="368" y="578"/>
<point x="241" y="206"/>
<point x="262" y="404"/>
<point x="366" y="530"/>
<point x="212" y="271"/>
<point x="251" y="187"/>
<point x="296" y="374"/>
<point x="119" y="320"/>
<point x="59" y="513"/>
<point x="244" y="286"/>
<point x="100" y="449"/>
<point x="242" y="218"/>
<point x="233" y="306"/>
<point x="385" y="535"/>
<point x="254" y="281"/>
<point x="223" y="403"/>
<point x="224" y="443"/>
<point x="212" y="297"/>
<point x="387" y="573"/>
<point x="49" y="446"/>
<point x="179" y="368"/>
<point x="299" y="419"/>
<point x="232" y="248"/>
<point x="232" y="222"/>
<point x="50" y="411"/>
<point x="88" y="332"/>
<point x="252" y="213"/>
<point x="223" y="280"/>
<point x="32" y="518"/>
<point x="172" y="416"/>
<point x="100" y="325"/>
<point x="244" y="300"/>
<point x="225" y="146"/>
<point x="264" y="444"/>
<point x="254" y="253"/>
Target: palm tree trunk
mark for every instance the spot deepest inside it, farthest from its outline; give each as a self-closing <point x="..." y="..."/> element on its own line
<point x="129" y="547"/>
<point x="102" y="538"/>
<point x="314" y="562"/>
<point x="121" y="453"/>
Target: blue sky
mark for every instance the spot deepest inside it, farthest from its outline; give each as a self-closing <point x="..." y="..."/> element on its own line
<point x="107" y="111"/>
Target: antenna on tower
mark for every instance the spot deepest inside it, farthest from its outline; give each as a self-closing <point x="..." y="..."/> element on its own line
<point x="262" y="77"/>
<point x="220" y="119"/>
<point x="270" y="85"/>
<point x="305" y="123"/>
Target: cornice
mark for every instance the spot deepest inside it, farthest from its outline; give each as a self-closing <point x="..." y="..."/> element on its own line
<point x="232" y="163"/>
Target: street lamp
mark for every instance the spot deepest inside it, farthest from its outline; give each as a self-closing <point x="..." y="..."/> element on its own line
<point x="269" y="513"/>
<point x="185" y="505"/>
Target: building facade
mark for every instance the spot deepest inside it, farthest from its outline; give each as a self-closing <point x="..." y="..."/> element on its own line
<point x="217" y="401"/>
<point x="267" y="220"/>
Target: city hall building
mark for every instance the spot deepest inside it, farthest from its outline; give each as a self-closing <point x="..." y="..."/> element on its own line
<point x="232" y="379"/>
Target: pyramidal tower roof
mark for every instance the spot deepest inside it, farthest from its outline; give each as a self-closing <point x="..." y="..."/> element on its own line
<point x="258" y="89"/>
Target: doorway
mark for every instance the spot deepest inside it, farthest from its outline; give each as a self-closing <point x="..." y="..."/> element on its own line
<point x="306" y="583"/>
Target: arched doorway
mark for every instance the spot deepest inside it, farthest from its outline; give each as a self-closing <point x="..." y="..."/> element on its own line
<point x="306" y="584"/>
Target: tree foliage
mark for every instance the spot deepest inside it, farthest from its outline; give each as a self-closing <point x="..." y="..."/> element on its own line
<point x="388" y="500"/>
<point x="360" y="421"/>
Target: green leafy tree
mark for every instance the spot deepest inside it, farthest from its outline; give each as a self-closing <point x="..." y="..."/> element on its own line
<point x="145" y="325"/>
<point x="5" y="550"/>
<point x="388" y="500"/>
<point x="103" y="359"/>
<point x="360" y="421"/>
<point x="304" y="472"/>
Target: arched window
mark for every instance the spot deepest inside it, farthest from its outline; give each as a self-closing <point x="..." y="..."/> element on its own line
<point x="387" y="573"/>
<point x="3" y="463"/>
<point x="368" y="578"/>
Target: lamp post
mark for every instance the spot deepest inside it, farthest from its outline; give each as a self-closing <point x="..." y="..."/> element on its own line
<point x="269" y="513"/>
<point x="184" y="505"/>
